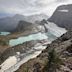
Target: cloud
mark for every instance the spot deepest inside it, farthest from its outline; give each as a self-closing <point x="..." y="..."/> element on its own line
<point x="61" y="0"/>
<point x="43" y="2"/>
<point x="27" y="7"/>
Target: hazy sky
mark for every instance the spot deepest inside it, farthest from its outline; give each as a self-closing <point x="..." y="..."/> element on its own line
<point x="30" y="7"/>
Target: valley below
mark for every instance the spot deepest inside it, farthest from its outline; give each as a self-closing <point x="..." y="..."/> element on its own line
<point x="22" y="48"/>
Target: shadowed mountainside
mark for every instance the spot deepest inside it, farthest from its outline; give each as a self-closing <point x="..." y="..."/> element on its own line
<point x="63" y="16"/>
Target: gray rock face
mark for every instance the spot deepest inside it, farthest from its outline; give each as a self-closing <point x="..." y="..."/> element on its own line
<point x="63" y="16"/>
<point x="25" y="26"/>
<point x="29" y="28"/>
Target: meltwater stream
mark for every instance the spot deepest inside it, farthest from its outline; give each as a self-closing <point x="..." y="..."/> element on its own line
<point x="14" y="62"/>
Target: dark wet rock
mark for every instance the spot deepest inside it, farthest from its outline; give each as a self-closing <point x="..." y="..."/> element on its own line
<point x="43" y="22"/>
<point x="36" y="67"/>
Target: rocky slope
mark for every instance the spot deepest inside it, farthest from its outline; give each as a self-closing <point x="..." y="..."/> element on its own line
<point x="63" y="16"/>
<point x="63" y="48"/>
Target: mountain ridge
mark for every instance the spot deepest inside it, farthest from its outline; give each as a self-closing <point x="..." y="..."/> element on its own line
<point x="10" y="23"/>
<point x="63" y="16"/>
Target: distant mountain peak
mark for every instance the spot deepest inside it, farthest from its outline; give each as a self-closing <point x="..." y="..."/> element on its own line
<point x="10" y="23"/>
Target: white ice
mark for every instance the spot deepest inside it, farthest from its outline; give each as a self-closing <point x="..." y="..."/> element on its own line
<point x="55" y="30"/>
<point x="12" y="60"/>
<point x="63" y="10"/>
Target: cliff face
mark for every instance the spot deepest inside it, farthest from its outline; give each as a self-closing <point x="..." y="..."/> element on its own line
<point x="63" y="16"/>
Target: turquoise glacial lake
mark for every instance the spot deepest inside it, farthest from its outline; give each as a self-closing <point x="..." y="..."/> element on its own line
<point x="20" y="40"/>
<point x="4" y="33"/>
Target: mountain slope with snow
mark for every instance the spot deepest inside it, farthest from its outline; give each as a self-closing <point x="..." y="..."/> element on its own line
<point x="63" y="16"/>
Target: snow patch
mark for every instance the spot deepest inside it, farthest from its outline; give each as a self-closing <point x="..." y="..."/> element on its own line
<point x="39" y="47"/>
<point x="18" y="53"/>
<point x="63" y="10"/>
<point x="12" y="60"/>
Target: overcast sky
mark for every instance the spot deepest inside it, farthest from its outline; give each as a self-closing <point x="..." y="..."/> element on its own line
<point x="30" y="7"/>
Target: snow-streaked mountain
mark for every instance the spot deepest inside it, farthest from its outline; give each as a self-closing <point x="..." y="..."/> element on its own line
<point x="10" y="23"/>
<point x="63" y="16"/>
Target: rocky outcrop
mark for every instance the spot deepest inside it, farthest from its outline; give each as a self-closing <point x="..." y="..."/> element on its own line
<point x="26" y="26"/>
<point x="63" y="16"/>
<point x="63" y="48"/>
